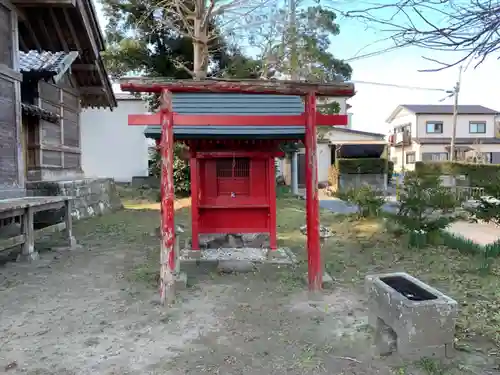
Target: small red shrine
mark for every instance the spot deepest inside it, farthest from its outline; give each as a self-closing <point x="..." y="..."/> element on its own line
<point x="233" y="140"/>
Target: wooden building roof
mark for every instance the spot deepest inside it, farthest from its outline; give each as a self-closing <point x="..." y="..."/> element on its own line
<point x="62" y="27"/>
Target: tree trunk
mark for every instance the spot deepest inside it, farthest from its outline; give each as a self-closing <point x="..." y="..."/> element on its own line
<point x="200" y="49"/>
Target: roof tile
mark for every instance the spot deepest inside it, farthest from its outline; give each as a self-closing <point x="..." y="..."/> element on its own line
<point x="41" y="62"/>
<point x="448" y="109"/>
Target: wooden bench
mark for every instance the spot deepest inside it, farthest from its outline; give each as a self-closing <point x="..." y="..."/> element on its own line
<point x="23" y="210"/>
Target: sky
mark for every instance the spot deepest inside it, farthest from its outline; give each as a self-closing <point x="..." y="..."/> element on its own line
<point x="373" y="104"/>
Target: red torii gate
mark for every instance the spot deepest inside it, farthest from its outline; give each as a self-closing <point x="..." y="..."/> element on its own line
<point x="309" y="119"/>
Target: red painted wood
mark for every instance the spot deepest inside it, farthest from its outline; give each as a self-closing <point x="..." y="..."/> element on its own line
<point x="239" y="120"/>
<point x="315" y="270"/>
<point x="195" y="195"/>
<point x="237" y="202"/>
<point x="239" y="154"/>
<point x="273" y="242"/>
<point x="168" y="255"/>
<point x="241" y="220"/>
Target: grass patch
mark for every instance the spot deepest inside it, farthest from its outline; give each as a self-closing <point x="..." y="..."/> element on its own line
<point x="358" y="248"/>
<point x="130" y="195"/>
<point x="485" y="253"/>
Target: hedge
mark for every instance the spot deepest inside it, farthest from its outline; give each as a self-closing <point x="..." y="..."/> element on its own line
<point x="361" y="166"/>
<point x="478" y="175"/>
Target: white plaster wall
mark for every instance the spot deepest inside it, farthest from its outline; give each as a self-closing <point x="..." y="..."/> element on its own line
<point x="405" y="117"/>
<point x="324" y="158"/>
<point x="398" y="153"/>
<point x="111" y="148"/>
<point x="462" y="126"/>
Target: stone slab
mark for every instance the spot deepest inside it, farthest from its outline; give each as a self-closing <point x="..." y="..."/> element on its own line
<point x="256" y="255"/>
<point x="180" y="282"/>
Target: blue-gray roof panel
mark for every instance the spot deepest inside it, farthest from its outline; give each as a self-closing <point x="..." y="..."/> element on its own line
<point x="233" y="104"/>
<point x="186" y="132"/>
<point x="236" y="104"/>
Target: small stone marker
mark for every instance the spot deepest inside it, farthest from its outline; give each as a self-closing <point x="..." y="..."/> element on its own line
<point x="324" y="232"/>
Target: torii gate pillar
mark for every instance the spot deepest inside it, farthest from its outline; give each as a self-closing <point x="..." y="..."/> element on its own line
<point x="168" y="257"/>
<point x="315" y="270"/>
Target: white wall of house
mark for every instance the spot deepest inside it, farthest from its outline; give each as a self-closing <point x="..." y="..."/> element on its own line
<point x="324" y="158"/>
<point x="462" y="126"/>
<point x="405" y="117"/>
<point x="398" y="154"/>
<point x="111" y="148"/>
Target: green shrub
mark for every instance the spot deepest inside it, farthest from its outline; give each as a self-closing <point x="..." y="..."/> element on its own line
<point x="368" y="200"/>
<point x="478" y="175"/>
<point x="182" y="173"/>
<point x="361" y="165"/>
<point x="390" y="171"/>
<point x="425" y="207"/>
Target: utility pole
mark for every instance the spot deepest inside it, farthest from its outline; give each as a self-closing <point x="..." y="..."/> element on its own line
<point x="456" y="91"/>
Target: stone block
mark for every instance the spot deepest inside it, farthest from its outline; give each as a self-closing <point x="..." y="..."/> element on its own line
<point x="421" y="317"/>
<point x="92" y="197"/>
<point x="326" y="282"/>
<point x="180" y="281"/>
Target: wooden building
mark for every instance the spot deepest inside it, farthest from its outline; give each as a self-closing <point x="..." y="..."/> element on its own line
<point x="50" y="68"/>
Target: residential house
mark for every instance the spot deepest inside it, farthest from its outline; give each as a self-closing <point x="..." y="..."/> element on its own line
<point x="50" y="68"/>
<point x="130" y="149"/>
<point x="424" y="132"/>
<point x="341" y="142"/>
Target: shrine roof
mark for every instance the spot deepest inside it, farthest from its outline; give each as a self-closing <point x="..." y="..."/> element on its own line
<point x="236" y="104"/>
<point x="233" y="104"/>
<point x="265" y="132"/>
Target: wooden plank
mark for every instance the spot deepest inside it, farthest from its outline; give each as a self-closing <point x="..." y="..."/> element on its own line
<point x="9" y="243"/>
<point x="12" y="213"/>
<point x="59" y="227"/>
<point x="38" y="3"/>
<point x="49" y="206"/>
<point x="333" y="89"/>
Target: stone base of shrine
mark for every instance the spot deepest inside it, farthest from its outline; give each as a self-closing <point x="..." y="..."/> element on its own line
<point x="283" y="256"/>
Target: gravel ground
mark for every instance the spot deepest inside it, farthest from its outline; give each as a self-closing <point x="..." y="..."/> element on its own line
<point x="81" y="312"/>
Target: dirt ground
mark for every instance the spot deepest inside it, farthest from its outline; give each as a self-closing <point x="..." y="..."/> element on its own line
<point x="95" y="311"/>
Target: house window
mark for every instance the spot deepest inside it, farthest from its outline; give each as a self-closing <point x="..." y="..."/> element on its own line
<point x="410" y="158"/>
<point x="477" y="127"/>
<point x="434" y="127"/>
<point x="434" y="156"/>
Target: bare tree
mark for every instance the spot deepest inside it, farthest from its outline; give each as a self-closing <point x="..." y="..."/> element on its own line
<point x="203" y="21"/>
<point x="472" y="28"/>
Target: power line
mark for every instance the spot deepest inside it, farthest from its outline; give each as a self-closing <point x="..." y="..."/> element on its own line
<point x="375" y="53"/>
<point x="399" y="86"/>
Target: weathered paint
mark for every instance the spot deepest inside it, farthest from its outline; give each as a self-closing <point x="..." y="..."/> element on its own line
<point x="167" y="257"/>
<point x="315" y="271"/>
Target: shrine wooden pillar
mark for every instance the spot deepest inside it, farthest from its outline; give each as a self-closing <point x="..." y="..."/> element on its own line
<point x="195" y="198"/>
<point x="273" y="243"/>
<point x="315" y="270"/>
<point x="168" y="254"/>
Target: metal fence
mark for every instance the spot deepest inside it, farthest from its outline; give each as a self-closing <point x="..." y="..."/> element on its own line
<point x="467" y="192"/>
